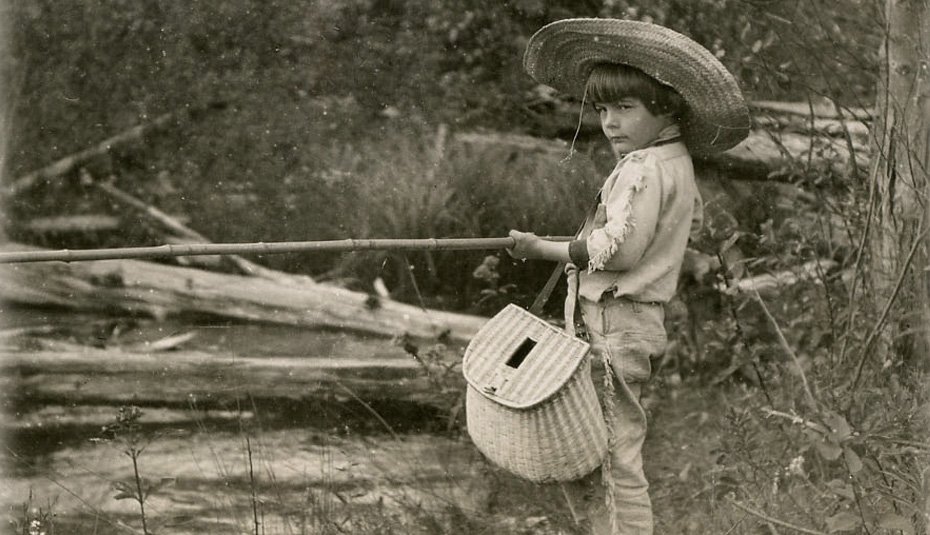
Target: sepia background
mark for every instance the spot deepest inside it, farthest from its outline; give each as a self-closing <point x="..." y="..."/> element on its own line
<point x="321" y="392"/>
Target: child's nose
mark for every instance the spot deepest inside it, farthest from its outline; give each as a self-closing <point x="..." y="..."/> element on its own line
<point x="611" y="118"/>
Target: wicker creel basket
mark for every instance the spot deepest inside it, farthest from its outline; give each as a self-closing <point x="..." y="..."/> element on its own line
<point x="530" y="404"/>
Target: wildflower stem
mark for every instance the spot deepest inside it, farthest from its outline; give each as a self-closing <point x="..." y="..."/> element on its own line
<point x="134" y="454"/>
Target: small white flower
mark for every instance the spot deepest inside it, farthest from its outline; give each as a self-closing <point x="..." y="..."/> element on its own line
<point x="796" y="467"/>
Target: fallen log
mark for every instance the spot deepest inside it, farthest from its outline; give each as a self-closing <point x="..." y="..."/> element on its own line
<point x="770" y="151"/>
<point x="72" y="223"/>
<point x="770" y="283"/>
<point x="815" y="126"/>
<point x="71" y="374"/>
<point x="158" y="290"/>
<point x="826" y="110"/>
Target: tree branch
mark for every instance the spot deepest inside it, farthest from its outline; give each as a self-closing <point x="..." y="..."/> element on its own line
<point x="777" y="522"/>
<point x="246" y="267"/>
<point x="809" y="395"/>
<point x="72" y="161"/>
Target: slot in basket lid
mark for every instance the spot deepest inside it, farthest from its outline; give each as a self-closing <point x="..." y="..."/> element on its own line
<point x="519" y="360"/>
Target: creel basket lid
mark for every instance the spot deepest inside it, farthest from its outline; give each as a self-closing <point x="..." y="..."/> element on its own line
<point x="518" y="360"/>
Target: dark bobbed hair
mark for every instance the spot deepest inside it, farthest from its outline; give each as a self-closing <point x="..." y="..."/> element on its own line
<point x="610" y="82"/>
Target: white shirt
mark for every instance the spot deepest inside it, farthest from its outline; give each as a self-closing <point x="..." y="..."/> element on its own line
<point x="636" y="238"/>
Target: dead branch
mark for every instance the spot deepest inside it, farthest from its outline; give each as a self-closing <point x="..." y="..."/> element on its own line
<point x="831" y="127"/>
<point x="77" y="159"/>
<point x="72" y="161"/>
<point x="786" y="347"/>
<point x="805" y="109"/>
<point x="72" y="223"/>
<point x="170" y="223"/>
<point x="164" y="344"/>
<point x="770" y="282"/>
<point x="762" y="516"/>
<point x="795" y="419"/>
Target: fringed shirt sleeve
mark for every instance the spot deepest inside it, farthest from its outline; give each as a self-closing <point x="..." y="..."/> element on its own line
<point x="625" y="221"/>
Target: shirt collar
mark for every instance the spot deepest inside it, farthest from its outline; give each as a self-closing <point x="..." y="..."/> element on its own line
<point x="668" y="133"/>
<point x="668" y="143"/>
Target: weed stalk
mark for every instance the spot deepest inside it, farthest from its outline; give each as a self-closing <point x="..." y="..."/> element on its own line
<point x="140" y="496"/>
<point x="248" y="446"/>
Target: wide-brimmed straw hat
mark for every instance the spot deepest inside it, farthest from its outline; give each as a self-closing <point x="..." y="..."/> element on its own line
<point x="563" y="53"/>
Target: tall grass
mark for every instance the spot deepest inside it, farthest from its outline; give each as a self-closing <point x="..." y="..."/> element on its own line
<point x="401" y="185"/>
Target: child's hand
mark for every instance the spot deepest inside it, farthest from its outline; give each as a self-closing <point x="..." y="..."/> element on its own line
<point x="527" y="245"/>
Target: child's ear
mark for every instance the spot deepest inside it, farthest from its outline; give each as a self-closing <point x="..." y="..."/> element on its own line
<point x="670" y="118"/>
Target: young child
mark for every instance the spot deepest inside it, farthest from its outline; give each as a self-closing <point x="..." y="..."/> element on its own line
<point x="659" y="96"/>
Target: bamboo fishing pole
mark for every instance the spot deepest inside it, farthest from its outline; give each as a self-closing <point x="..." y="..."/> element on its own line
<point x="199" y="249"/>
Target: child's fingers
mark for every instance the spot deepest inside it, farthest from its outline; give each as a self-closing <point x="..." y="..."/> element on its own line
<point x="522" y="241"/>
<point x="515" y="234"/>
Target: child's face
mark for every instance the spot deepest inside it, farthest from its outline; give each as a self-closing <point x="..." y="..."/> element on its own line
<point x="629" y="125"/>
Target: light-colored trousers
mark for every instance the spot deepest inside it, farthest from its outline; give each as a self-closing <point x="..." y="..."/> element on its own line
<point x="627" y="335"/>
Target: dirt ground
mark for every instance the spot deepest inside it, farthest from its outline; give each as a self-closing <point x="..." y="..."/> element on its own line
<point x="345" y="470"/>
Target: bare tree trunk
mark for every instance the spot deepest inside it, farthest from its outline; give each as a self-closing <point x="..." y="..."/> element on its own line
<point x="899" y="270"/>
<point x="901" y="159"/>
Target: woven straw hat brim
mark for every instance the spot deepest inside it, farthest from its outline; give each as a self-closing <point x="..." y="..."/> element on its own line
<point x="563" y="53"/>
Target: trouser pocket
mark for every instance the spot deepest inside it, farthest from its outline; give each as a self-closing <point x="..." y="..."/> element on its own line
<point x="629" y="333"/>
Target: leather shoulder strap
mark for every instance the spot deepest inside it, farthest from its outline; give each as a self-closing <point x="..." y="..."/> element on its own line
<point x="537" y="307"/>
